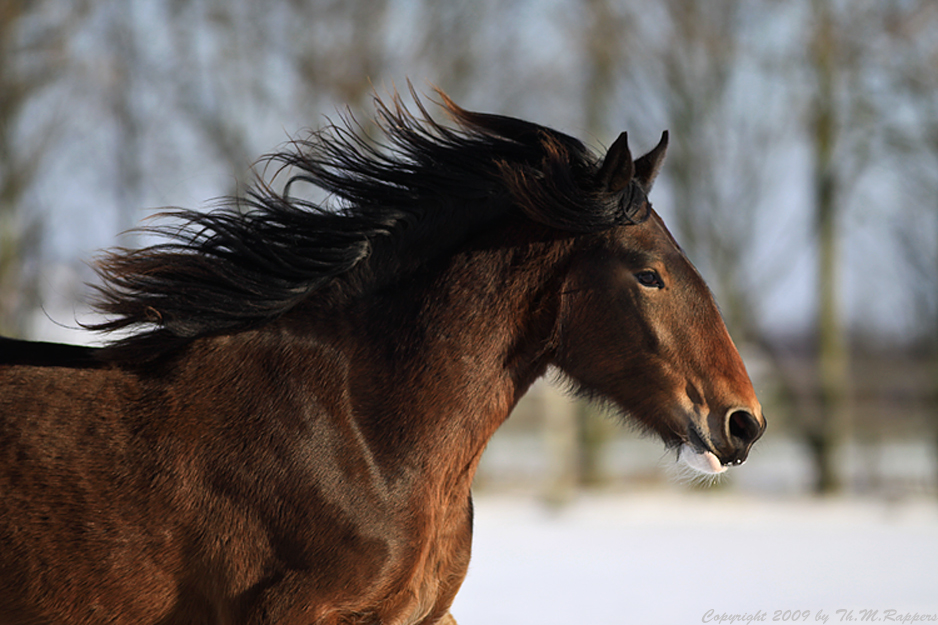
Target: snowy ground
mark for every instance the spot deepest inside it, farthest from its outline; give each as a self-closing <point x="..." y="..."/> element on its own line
<point x="670" y="557"/>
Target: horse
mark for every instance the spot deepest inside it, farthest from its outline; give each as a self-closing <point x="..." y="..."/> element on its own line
<point x="298" y="384"/>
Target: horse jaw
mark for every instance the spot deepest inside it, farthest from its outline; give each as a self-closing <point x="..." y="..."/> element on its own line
<point x="705" y="462"/>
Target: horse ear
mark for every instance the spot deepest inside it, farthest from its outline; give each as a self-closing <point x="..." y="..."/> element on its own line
<point x="617" y="168"/>
<point x="647" y="167"/>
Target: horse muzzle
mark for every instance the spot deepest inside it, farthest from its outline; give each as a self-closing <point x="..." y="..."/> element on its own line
<point x="709" y="454"/>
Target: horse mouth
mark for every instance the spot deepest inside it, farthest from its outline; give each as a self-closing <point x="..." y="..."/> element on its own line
<point x="701" y="461"/>
<point x="697" y="454"/>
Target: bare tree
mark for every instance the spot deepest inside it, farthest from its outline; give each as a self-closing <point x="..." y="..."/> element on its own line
<point x="31" y="57"/>
<point x="910" y="60"/>
<point x="840" y="129"/>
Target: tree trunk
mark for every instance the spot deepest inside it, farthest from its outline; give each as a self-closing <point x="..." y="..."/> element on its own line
<point x="828" y="434"/>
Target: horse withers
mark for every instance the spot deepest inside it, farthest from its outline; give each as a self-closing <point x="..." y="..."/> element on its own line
<point x="288" y="428"/>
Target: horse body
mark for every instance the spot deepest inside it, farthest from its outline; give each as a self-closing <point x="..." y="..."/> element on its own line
<point x="316" y="467"/>
<point x="273" y="501"/>
<point x="217" y="469"/>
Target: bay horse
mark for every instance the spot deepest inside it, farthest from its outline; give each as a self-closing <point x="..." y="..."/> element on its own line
<point x="287" y="428"/>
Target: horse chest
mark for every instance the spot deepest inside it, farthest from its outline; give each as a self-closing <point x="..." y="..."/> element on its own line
<point x="434" y="575"/>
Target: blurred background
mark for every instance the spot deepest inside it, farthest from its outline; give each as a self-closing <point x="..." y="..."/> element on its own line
<point x="802" y="179"/>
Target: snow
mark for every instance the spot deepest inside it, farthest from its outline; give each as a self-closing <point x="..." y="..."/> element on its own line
<point x="670" y="557"/>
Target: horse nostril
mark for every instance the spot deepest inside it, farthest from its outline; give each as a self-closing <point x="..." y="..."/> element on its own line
<point x="744" y="426"/>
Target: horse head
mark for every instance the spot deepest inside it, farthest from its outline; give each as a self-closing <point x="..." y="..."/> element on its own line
<point x="640" y="328"/>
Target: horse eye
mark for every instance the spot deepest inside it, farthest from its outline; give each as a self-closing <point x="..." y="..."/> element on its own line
<point x="649" y="278"/>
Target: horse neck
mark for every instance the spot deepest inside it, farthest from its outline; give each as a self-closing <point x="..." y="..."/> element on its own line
<point x="440" y="361"/>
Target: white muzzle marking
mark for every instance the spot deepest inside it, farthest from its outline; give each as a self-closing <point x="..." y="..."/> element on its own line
<point x="705" y="462"/>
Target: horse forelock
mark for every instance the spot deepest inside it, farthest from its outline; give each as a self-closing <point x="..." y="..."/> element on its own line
<point x="390" y="204"/>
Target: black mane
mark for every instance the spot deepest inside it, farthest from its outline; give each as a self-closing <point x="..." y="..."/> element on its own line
<point x="408" y="198"/>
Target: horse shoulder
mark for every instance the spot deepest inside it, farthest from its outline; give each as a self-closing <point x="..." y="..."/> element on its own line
<point x="404" y="538"/>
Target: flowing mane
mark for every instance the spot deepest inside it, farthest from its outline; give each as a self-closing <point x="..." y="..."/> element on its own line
<point x="393" y="203"/>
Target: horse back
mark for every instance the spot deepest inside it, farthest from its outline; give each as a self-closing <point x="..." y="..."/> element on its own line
<point x="42" y="354"/>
